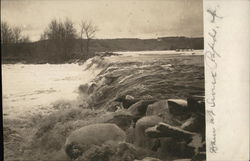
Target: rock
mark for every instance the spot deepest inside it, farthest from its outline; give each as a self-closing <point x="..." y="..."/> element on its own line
<point x="195" y="123"/>
<point x="125" y="151"/>
<point x="184" y="150"/>
<point x="189" y="124"/>
<point x="87" y="89"/>
<point x="129" y="152"/>
<point x="142" y="124"/>
<point x="83" y="88"/>
<point x="167" y="147"/>
<point x="196" y="104"/>
<point x="158" y="108"/>
<point x="122" y="120"/>
<point x="126" y="102"/>
<point x="98" y="153"/>
<point x="96" y="134"/>
<point x="177" y="106"/>
<point x="153" y="132"/>
<point x="110" y="152"/>
<point x="171" y="147"/>
<point x="174" y="131"/>
<point x="139" y="109"/>
<point x="130" y="132"/>
<point x="171" y="131"/>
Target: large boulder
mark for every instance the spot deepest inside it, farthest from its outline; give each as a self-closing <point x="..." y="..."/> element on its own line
<point x="169" y="110"/>
<point x="166" y="130"/>
<point x="142" y="124"/>
<point x="81" y="139"/>
<point x="158" y="108"/>
<point x="139" y="109"/>
<point x="122" y="120"/>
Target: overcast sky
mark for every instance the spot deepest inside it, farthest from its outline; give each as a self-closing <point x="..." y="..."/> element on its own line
<point x="114" y="18"/>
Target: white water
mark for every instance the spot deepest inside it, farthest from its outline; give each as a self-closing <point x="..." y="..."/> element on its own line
<point x="32" y="89"/>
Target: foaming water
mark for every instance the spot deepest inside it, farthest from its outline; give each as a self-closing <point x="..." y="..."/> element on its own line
<point x="160" y="75"/>
<point x="32" y="89"/>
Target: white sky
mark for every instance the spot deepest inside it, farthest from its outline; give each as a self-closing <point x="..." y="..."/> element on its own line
<point x="114" y="18"/>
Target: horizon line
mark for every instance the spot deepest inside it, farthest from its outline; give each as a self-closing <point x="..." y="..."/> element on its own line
<point x="133" y="38"/>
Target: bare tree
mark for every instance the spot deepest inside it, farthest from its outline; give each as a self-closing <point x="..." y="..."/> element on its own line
<point x="16" y="34"/>
<point x="6" y="33"/>
<point x="88" y="30"/>
<point x="61" y="35"/>
<point x="12" y="34"/>
<point x="69" y="35"/>
<point x="12" y="39"/>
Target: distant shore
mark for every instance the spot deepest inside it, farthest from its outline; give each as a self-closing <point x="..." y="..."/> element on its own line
<point x="44" y="51"/>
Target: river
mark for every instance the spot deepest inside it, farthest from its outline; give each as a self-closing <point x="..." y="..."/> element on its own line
<point x="31" y="89"/>
<point x="35" y="123"/>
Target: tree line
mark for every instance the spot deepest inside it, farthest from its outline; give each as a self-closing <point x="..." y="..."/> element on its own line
<point x="58" y="41"/>
<point x="64" y="41"/>
<point x="12" y="34"/>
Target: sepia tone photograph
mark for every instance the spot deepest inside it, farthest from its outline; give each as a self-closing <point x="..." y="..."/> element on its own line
<point x="103" y="80"/>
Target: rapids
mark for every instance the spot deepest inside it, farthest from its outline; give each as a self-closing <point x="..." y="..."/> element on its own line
<point x="42" y="104"/>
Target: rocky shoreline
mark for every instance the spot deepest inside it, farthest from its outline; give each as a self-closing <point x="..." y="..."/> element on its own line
<point x="165" y="129"/>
